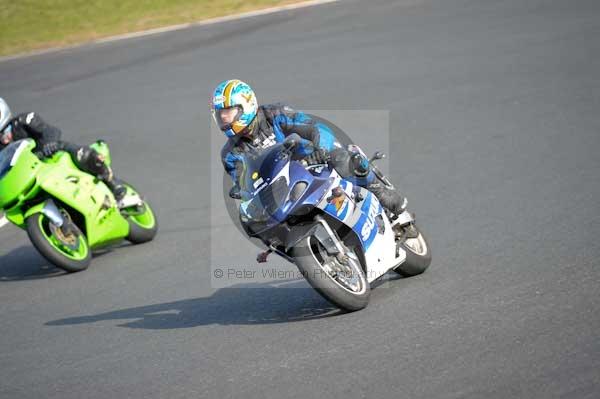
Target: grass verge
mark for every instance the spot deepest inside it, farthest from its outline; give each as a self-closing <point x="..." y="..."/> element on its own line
<point x="29" y="25"/>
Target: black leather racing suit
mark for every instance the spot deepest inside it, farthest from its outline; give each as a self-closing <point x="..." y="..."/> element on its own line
<point x="47" y="138"/>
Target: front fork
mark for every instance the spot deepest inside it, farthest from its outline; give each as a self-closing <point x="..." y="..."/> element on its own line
<point x="323" y="233"/>
<point x="59" y="221"/>
<point x="51" y="211"/>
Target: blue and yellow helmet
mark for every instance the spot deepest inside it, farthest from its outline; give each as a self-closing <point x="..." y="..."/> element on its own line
<point x="234" y="107"/>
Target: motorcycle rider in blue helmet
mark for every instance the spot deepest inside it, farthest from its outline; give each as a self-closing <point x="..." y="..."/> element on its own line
<point x="251" y="127"/>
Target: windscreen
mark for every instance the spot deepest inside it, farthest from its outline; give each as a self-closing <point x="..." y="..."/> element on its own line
<point x="260" y="166"/>
<point x="262" y="195"/>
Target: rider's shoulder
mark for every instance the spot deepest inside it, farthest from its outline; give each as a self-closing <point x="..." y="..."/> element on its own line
<point x="28" y="117"/>
<point x="271" y="111"/>
<point x="232" y="145"/>
<point x="227" y="147"/>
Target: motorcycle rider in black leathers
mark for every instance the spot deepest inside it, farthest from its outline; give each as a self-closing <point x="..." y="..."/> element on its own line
<point x="249" y="127"/>
<point x="48" y="142"/>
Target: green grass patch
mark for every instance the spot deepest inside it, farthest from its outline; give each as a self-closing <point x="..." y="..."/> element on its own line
<point x="28" y="25"/>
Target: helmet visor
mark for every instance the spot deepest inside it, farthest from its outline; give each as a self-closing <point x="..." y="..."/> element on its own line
<point x="225" y="117"/>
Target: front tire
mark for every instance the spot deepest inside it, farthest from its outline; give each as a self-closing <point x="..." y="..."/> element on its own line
<point x="418" y="253"/>
<point x="312" y="261"/>
<point x="69" y="252"/>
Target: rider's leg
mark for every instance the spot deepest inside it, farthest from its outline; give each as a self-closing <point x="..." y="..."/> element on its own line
<point x="90" y="161"/>
<point x="355" y="167"/>
<point x="389" y="198"/>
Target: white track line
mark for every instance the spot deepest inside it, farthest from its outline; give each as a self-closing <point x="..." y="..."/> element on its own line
<point x="3" y="221"/>
<point x="171" y="28"/>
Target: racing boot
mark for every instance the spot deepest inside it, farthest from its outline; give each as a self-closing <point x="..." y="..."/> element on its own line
<point x="90" y="161"/>
<point x="389" y="198"/>
<point x="96" y="164"/>
<point x="117" y="188"/>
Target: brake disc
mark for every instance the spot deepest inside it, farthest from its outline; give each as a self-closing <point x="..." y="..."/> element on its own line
<point x="67" y="233"/>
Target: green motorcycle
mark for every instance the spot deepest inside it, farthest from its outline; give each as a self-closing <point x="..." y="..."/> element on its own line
<point x="66" y="212"/>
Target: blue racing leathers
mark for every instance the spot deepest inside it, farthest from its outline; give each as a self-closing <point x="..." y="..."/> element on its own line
<point x="273" y="124"/>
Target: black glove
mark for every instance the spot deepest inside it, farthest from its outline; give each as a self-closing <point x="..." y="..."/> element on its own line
<point x="235" y="192"/>
<point x="318" y="156"/>
<point x="292" y="141"/>
<point x="51" y="148"/>
<point x="360" y="164"/>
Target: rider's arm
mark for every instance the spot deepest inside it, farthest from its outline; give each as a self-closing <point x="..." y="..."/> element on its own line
<point x="287" y="121"/>
<point x="292" y="121"/>
<point x="37" y="128"/>
<point x="233" y="164"/>
<point x="233" y="168"/>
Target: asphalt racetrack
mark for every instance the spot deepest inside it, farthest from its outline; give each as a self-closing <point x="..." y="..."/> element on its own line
<point x="494" y="129"/>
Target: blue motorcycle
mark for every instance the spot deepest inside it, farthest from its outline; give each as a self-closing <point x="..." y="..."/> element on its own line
<point x="337" y="233"/>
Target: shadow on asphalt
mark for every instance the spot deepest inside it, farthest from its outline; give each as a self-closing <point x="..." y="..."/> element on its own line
<point x="248" y="304"/>
<point x="24" y="263"/>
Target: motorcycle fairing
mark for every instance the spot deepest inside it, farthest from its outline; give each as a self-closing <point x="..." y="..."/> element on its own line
<point x="368" y="220"/>
<point x="366" y="217"/>
<point x="89" y="197"/>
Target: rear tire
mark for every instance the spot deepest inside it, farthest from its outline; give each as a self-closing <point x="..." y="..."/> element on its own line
<point x="43" y="240"/>
<point x="417" y="261"/>
<point x="309" y="265"/>
<point x="143" y="225"/>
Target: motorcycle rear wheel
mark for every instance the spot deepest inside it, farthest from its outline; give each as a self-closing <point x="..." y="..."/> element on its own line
<point x="418" y="255"/>
<point x="143" y="225"/>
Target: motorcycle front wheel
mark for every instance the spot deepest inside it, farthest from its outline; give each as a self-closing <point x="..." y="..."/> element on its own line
<point x="67" y="249"/>
<point x="339" y="279"/>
